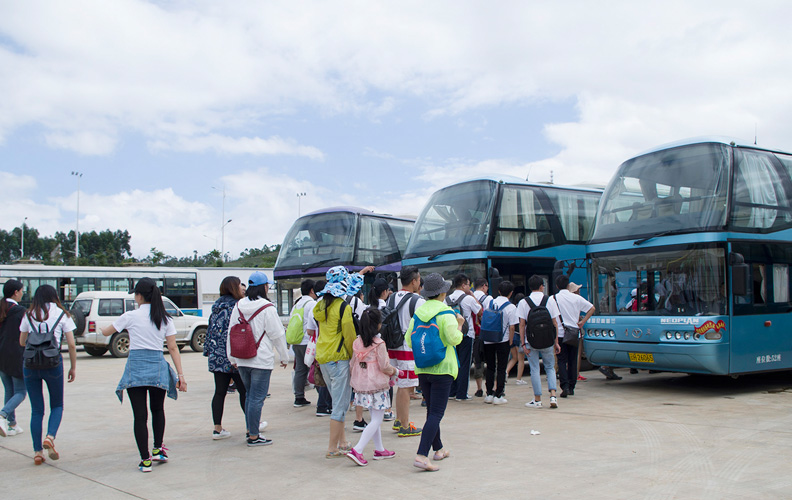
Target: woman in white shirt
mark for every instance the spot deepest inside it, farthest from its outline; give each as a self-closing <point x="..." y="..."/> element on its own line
<point x="147" y="373"/>
<point x="46" y="314"/>
<point x="256" y="371"/>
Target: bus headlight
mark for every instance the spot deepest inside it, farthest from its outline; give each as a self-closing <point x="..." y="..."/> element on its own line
<point x="669" y="335"/>
<point x="678" y="335"/>
<point x="612" y="333"/>
<point x="713" y="336"/>
<point x="687" y="335"/>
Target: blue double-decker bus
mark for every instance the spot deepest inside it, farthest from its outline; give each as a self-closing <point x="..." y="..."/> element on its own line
<point x="339" y="236"/>
<point x="504" y="228"/>
<point x="690" y="261"/>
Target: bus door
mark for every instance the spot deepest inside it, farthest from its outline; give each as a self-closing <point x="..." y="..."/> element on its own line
<point x="761" y="323"/>
<point x="518" y="272"/>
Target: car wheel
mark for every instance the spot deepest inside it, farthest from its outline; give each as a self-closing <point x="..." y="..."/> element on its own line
<point x="95" y="351"/>
<point x="119" y="345"/>
<point x="79" y="321"/>
<point x="198" y="339"/>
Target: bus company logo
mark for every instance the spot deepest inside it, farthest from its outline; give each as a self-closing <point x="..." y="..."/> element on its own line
<point x="770" y="358"/>
<point x="711" y="325"/>
<point x="680" y="321"/>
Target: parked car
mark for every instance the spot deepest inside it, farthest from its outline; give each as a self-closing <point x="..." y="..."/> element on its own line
<point x="93" y="311"/>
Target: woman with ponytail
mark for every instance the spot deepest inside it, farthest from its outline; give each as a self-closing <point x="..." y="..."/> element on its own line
<point x="147" y="372"/>
<point x="11" y="314"/>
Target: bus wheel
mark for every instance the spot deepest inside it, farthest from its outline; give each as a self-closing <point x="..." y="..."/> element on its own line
<point x="198" y="339"/>
<point x="119" y="345"/>
<point x="95" y="351"/>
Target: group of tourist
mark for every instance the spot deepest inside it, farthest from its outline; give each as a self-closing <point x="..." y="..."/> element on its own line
<point x="419" y="339"/>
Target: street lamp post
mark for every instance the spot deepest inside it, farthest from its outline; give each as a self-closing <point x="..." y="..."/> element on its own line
<point x="299" y="196"/>
<point x="77" y="232"/>
<point x="22" y="240"/>
<point x="222" y="238"/>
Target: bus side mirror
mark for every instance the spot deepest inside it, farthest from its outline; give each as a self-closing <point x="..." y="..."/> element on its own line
<point x="739" y="274"/>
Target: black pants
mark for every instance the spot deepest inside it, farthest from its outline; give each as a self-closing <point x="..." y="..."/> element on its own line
<point x="460" y="385"/>
<point x="496" y="356"/>
<point x="137" y="396"/>
<point x="567" y="366"/>
<point x="435" y="389"/>
<point x="222" y="381"/>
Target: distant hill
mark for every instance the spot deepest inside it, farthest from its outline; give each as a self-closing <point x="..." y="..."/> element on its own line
<point x="256" y="258"/>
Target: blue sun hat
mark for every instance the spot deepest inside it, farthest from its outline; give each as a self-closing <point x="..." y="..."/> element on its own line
<point x="354" y="284"/>
<point x="336" y="282"/>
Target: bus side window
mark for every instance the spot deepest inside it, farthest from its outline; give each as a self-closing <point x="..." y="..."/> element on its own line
<point x="780" y="283"/>
<point x="759" y="288"/>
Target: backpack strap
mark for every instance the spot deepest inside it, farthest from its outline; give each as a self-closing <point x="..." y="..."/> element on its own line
<point x="543" y="303"/>
<point x="340" y="326"/>
<point x="251" y="319"/>
<point x="530" y="302"/>
<point x="504" y="306"/>
<point x="413" y="302"/>
<point x="560" y="316"/>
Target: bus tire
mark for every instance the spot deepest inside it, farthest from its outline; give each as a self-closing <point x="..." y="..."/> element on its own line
<point x="94" y="350"/>
<point x="198" y="339"/>
<point x="119" y="345"/>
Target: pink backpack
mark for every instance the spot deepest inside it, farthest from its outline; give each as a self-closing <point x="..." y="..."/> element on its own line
<point x="240" y="336"/>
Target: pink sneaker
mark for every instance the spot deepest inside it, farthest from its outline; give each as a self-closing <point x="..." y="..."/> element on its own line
<point x="382" y="455"/>
<point x="357" y="457"/>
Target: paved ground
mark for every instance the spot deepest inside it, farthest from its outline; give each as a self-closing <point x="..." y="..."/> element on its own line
<point x="648" y="436"/>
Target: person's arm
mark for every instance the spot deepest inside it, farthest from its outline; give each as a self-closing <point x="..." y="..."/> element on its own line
<point x="108" y="330"/>
<point x="586" y="317"/>
<point x="453" y="329"/>
<point x="72" y="355"/>
<point x="557" y="345"/>
<point x="384" y="362"/>
<point x="277" y="335"/>
<point x="522" y="335"/>
<point x="173" y="349"/>
<point x="118" y="325"/>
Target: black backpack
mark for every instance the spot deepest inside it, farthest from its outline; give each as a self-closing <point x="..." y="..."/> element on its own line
<point x="41" y="350"/>
<point x="540" y="332"/>
<point x="391" y="332"/>
<point x="454" y="304"/>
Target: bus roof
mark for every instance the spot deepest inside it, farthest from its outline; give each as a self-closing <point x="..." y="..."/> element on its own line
<point x="357" y="211"/>
<point x="725" y="140"/>
<point x="510" y="179"/>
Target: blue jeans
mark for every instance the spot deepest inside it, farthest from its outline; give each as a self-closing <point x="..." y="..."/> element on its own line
<point x="14" y="395"/>
<point x="548" y="358"/>
<point x="325" y="402"/>
<point x="459" y="386"/>
<point x="435" y="389"/>
<point x="336" y="375"/>
<point x="33" y="382"/>
<point x="256" y="382"/>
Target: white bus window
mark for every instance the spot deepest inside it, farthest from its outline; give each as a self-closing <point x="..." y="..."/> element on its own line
<point x="780" y="283"/>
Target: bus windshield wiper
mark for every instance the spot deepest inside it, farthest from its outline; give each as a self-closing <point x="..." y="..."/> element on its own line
<point x="319" y="263"/>
<point x="447" y="250"/>
<point x="662" y="233"/>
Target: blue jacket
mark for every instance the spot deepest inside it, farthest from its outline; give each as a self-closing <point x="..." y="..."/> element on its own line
<point x="217" y="334"/>
<point x="147" y="368"/>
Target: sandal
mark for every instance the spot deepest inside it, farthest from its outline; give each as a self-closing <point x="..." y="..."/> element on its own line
<point x="425" y="466"/>
<point x="335" y="454"/>
<point x="345" y="447"/>
<point x="38" y="459"/>
<point x="440" y="455"/>
<point x="49" y="445"/>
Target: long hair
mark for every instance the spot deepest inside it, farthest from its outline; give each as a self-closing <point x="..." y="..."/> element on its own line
<point x="369" y="325"/>
<point x="377" y="289"/>
<point x="9" y="289"/>
<point x="256" y="292"/>
<point x="230" y="286"/>
<point x="147" y="288"/>
<point x="43" y="296"/>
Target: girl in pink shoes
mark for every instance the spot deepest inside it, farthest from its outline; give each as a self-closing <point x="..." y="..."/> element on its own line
<point x="370" y="371"/>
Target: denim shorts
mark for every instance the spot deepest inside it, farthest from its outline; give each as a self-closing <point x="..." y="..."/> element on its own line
<point x="336" y="375"/>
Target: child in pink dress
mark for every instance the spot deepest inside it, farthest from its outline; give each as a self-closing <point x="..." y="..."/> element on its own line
<point x="370" y="372"/>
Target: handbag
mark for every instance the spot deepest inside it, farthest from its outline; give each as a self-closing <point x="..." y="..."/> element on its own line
<point x="315" y="375"/>
<point x="310" y="351"/>
<point x="571" y="334"/>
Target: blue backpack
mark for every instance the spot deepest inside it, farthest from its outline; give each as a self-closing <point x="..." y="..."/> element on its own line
<point x="492" y="323"/>
<point x="427" y="346"/>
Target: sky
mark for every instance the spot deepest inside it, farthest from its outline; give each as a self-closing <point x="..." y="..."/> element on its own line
<point x="163" y="106"/>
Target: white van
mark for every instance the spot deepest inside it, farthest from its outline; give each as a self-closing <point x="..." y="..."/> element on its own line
<point x="93" y="311"/>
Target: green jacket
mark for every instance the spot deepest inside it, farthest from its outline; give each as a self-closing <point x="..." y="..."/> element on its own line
<point x="449" y="334"/>
<point x="329" y="338"/>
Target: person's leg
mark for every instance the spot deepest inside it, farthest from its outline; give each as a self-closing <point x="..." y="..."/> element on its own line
<point x="436" y="389"/>
<point x="573" y="366"/>
<point x="501" y="357"/>
<point x="427" y="436"/>
<point x="300" y="372"/>
<point x="137" y="398"/>
<point x="336" y="375"/>
<point x="489" y="358"/>
<point x="14" y="395"/>
<point x="464" y="349"/>
<point x="548" y="357"/>
<point x="324" y="403"/>
<point x="403" y="405"/>
<point x="520" y="363"/>
<point x="257" y="393"/>
<point x="240" y="387"/>
<point x="221" y="381"/>
<point x="536" y="381"/>
<point x="54" y="379"/>
<point x="34" y="386"/>
<point x="478" y="362"/>
<point x="372" y="431"/>
<point x="157" y="407"/>
<point x="512" y="360"/>
<point x="563" y="367"/>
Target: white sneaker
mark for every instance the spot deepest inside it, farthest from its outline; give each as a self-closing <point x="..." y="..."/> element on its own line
<point x="521" y="382"/>
<point x="500" y="401"/>
<point x="3" y="426"/>
<point x="223" y="434"/>
<point x="13" y="431"/>
<point x="262" y="425"/>
<point x="489" y="399"/>
<point x="534" y="404"/>
<point x="553" y="402"/>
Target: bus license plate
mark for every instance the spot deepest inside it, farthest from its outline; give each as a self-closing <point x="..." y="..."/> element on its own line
<point x="641" y="357"/>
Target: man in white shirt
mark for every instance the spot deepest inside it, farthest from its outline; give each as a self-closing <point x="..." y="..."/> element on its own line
<point x="481" y="293"/>
<point x="536" y="284"/>
<point x="570" y="306"/>
<point x="305" y="303"/>
<point x="464" y="300"/>
<point x="497" y="353"/>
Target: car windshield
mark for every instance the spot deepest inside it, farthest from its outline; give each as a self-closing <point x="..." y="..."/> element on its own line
<point x="672" y="283"/>
<point x="678" y="189"/>
<point x="456" y="218"/>
<point x="316" y="239"/>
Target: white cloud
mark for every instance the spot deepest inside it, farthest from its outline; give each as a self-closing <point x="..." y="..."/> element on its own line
<point x="242" y="145"/>
<point x="84" y="142"/>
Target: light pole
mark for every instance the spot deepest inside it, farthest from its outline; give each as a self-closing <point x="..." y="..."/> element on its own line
<point x="299" y="196"/>
<point x="215" y="240"/>
<point x="222" y="238"/>
<point x="77" y="232"/>
<point x="22" y="240"/>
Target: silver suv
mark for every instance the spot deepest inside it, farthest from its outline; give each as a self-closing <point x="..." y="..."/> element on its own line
<point x="93" y="311"/>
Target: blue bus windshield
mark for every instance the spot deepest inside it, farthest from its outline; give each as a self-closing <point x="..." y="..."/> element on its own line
<point x="319" y="238"/>
<point x="679" y="189"/>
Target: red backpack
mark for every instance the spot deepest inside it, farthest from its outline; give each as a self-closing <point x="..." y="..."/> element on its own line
<point x="240" y="336"/>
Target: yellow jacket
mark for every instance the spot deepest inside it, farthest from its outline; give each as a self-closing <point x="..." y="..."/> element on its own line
<point x="329" y="344"/>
